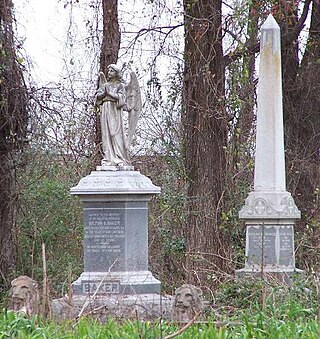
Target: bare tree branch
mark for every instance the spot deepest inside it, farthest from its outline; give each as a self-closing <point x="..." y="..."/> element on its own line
<point x="286" y="38"/>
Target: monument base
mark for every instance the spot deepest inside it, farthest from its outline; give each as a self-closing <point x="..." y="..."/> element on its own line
<point x="142" y="307"/>
<point x="269" y="273"/>
<point x="104" y="283"/>
<point x="270" y="204"/>
<point x="115" y="208"/>
<point x="270" y="250"/>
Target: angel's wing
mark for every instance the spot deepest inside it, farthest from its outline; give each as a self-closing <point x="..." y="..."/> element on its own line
<point x="133" y="106"/>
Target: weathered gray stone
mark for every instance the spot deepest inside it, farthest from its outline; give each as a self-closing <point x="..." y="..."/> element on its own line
<point x="188" y="303"/>
<point x="269" y="205"/>
<point x="142" y="307"/>
<point x="115" y="234"/>
<point x="115" y="205"/>
<point x="110" y="183"/>
<point x="270" y="245"/>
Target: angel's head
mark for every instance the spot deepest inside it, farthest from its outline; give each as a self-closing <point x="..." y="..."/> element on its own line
<point x="114" y="72"/>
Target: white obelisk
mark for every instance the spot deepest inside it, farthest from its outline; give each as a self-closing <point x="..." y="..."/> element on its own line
<point x="269" y="174"/>
<point x="269" y="211"/>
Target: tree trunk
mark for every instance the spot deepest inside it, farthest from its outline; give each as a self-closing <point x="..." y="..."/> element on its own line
<point x="287" y="17"/>
<point x="205" y="138"/>
<point x="109" y="49"/>
<point x="244" y="90"/>
<point x="13" y="127"/>
<point x="111" y="34"/>
<point x="302" y="126"/>
<point x="8" y="207"/>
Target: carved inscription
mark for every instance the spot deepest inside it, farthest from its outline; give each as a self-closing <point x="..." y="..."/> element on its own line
<point x="286" y="246"/>
<point x="105" y="231"/>
<point x="104" y="288"/>
<point x="270" y="245"/>
<point x="104" y="238"/>
<point x="261" y="248"/>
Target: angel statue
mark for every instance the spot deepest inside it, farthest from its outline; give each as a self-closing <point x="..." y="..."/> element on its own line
<point x="113" y="97"/>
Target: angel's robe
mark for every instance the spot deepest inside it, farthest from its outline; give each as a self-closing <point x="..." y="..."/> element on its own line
<point x="112" y="131"/>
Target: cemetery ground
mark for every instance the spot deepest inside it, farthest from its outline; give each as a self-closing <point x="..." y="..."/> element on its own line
<point x="243" y="309"/>
<point x="237" y="308"/>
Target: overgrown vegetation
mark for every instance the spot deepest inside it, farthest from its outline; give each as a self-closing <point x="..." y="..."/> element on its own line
<point x="50" y="216"/>
<point x="243" y="309"/>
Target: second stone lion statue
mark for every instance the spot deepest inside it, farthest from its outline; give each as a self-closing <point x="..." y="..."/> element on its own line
<point x="187" y="303"/>
<point x="24" y="296"/>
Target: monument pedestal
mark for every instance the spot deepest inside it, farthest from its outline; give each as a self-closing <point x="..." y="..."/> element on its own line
<point x="115" y="233"/>
<point x="269" y="218"/>
<point x="270" y="249"/>
<point x="115" y="206"/>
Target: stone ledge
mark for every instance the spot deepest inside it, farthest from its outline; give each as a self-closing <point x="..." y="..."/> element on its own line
<point x="142" y="307"/>
<point x="282" y="275"/>
<point x="115" y="182"/>
<point x="269" y="205"/>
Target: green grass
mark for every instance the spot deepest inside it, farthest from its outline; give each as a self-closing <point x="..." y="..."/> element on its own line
<point x="243" y="309"/>
<point x="283" y="322"/>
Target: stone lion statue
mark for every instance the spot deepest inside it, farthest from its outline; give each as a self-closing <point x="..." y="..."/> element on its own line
<point x="187" y="303"/>
<point x="24" y="296"/>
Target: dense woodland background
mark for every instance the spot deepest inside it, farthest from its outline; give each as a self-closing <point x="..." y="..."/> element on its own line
<point x="196" y="136"/>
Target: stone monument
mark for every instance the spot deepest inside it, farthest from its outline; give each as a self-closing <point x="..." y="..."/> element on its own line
<point x="115" y="199"/>
<point x="269" y="211"/>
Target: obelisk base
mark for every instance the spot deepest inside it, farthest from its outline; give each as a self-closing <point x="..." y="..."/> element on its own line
<point x="270" y="250"/>
<point x="269" y="218"/>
